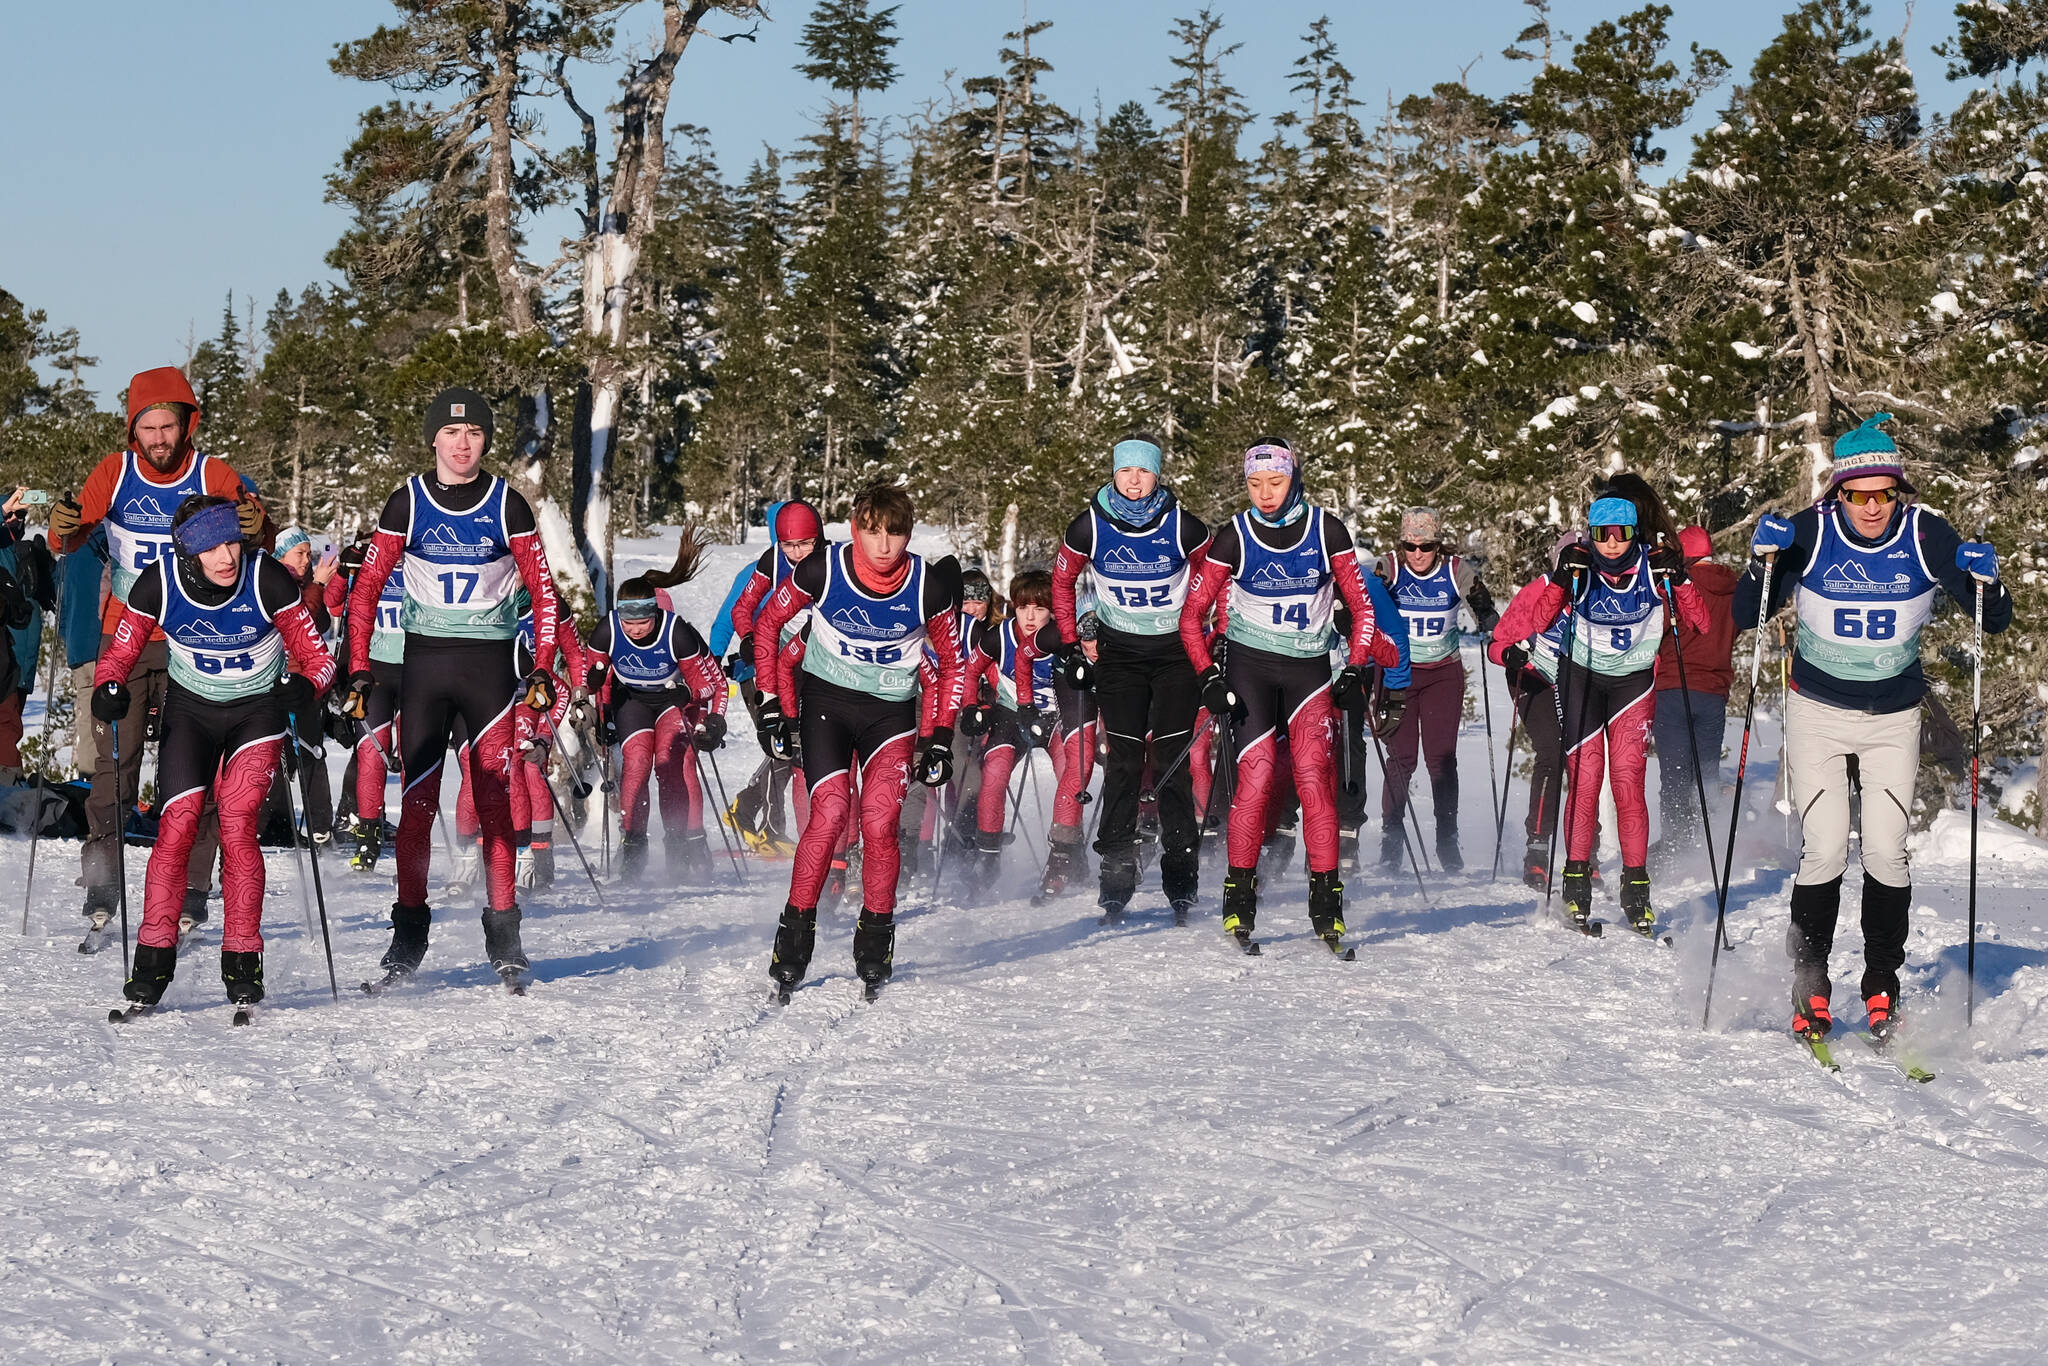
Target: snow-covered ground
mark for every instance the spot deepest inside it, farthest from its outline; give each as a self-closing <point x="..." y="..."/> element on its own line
<point x="1487" y="1139"/>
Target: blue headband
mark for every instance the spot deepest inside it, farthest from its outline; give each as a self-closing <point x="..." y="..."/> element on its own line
<point x="639" y="609"/>
<point x="1134" y="454"/>
<point x="1612" y="512"/>
<point x="206" y="529"/>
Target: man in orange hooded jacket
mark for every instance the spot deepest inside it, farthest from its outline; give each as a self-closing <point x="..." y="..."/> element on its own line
<point x="135" y="491"/>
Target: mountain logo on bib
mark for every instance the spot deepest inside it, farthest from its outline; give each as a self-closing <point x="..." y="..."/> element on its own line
<point x="443" y="542"/>
<point x="855" y="621"/>
<point x="1850" y="576"/>
<point x="144" y="511"/>
<point x="1271" y="577"/>
<point x="1124" y="561"/>
<point x="205" y="633"/>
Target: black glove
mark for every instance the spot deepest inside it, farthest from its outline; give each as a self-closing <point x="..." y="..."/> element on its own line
<point x="110" y="702"/>
<point x="711" y="732"/>
<point x="608" y="729"/>
<point x="1667" y="564"/>
<point x="934" y="766"/>
<point x="538" y="690"/>
<point x="1216" y="694"/>
<point x="1074" y="669"/>
<point x="1036" y="725"/>
<point x="777" y="733"/>
<point x="342" y="729"/>
<point x="1574" y="567"/>
<point x="1386" y="718"/>
<point x="296" y="692"/>
<point x="974" y="720"/>
<point x="1514" y="659"/>
<point x="744" y="651"/>
<point x="594" y="677"/>
<point x="1349" y="689"/>
<point x="356" y="704"/>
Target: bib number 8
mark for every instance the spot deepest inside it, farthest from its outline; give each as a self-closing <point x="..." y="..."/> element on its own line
<point x="1620" y="637"/>
<point x="1876" y="623"/>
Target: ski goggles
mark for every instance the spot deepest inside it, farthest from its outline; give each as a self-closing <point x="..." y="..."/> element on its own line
<point x="1862" y="497"/>
<point x="208" y="529"/>
<point x="639" y="609"/>
<point x="1613" y="533"/>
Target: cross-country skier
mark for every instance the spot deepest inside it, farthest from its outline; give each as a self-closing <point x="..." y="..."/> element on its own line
<point x="1616" y="590"/>
<point x="1430" y="586"/>
<point x="537" y="733"/>
<point x="1073" y="764"/>
<point x="377" y="736"/>
<point x="1530" y="668"/>
<point x="229" y="618"/>
<point x="757" y="808"/>
<point x="1867" y="561"/>
<point x="1022" y="716"/>
<point x="1141" y="546"/>
<point x="467" y="541"/>
<point x="294" y="550"/>
<point x="134" y="492"/>
<point x="875" y="605"/>
<point x="663" y="694"/>
<point x="1277" y="567"/>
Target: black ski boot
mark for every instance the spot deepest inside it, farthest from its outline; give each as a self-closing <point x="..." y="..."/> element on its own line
<point x="689" y="856"/>
<point x="149" y="974"/>
<point x="368" y="837"/>
<point x="1326" y="912"/>
<point x="1578" y="895"/>
<point x="408" y="940"/>
<point x="1118" y="883"/>
<point x="633" y="856"/>
<point x="242" y="975"/>
<point x="796" y="934"/>
<point x="1241" y="906"/>
<point x="536" y="871"/>
<point x="874" y="950"/>
<point x="1181" y="879"/>
<point x="1448" y="857"/>
<point x="1635" y="901"/>
<point x="1276" y="855"/>
<point x="1536" y="866"/>
<point x="1061" y="848"/>
<point x="501" y="945"/>
<point x="1393" y="849"/>
<point x="193" y="913"/>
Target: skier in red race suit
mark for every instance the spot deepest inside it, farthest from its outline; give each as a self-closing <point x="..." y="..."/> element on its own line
<point x="229" y="619"/>
<point x="1277" y="568"/>
<point x="876" y="605"/>
<point x="467" y="542"/>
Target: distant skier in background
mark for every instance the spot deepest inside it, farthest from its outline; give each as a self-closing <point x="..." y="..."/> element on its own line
<point x="757" y="811"/>
<point x="1867" y="562"/>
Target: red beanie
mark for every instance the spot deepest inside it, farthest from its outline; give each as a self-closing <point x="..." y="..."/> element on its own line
<point x="797" y="521"/>
<point x="1696" y="543"/>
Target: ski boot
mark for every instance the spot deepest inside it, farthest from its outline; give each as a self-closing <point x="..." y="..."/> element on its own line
<point x="193" y="913"/>
<point x="1181" y="879"/>
<point x="1536" y="866"/>
<point x="1347" y="848"/>
<point x="1063" y="847"/>
<point x="408" y="941"/>
<point x="1448" y="856"/>
<point x="834" y="890"/>
<point x="96" y="922"/>
<point x="242" y="975"/>
<point x="874" y="950"/>
<point x="985" y="862"/>
<point x="1117" y="883"/>
<point x="1241" y="906"/>
<point x="795" y="936"/>
<point x="689" y="856"/>
<point x="1635" y="901"/>
<point x="1812" y="1022"/>
<point x="1393" y="849"/>
<point x="1578" y="895"/>
<point x="1326" y="912"/>
<point x="368" y="836"/>
<point x="463" y="880"/>
<point x="149" y="974"/>
<point x="1883" y="1011"/>
<point x="501" y="945"/>
<point x="632" y="856"/>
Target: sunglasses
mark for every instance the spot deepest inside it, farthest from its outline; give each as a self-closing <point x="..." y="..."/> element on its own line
<point x="1878" y="496"/>
<point x="1614" y="533"/>
<point x="1431" y="546"/>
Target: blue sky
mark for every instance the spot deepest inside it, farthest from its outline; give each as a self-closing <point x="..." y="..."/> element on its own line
<point x="158" y="156"/>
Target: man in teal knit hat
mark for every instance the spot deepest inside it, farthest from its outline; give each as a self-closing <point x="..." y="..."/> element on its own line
<point x="1867" y="561"/>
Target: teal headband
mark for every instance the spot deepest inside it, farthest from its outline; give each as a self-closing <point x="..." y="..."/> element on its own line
<point x="1135" y="454"/>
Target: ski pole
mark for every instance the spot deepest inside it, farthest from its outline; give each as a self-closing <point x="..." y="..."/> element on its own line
<point x="1692" y="739"/>
<point x="43" y="761"/>
<point x="1568" y="662"/>
<point x="120" y="839"/>
<point x="296" y="766"/>
<point x="1164" y="776"/>
<point x="1414" y="864"/>
<point x="1492" y="773"/>
<point x="1500" y="814"/>
<point x="1976" y="750"/>
<point x="720" y="778"/>
<point x="724" y="834"/>
<point x="555" y="800"/>
<point x="1756" y="669"/>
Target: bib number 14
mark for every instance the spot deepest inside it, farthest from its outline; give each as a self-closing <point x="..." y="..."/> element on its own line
<point x="1294" y="614"/>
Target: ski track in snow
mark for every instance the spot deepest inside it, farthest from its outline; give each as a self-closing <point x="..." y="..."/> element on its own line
<point x="1488" y="1139"/>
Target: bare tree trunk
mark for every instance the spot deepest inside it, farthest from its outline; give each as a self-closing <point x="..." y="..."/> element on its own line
<point x="1007" y="561"/>
<point x="995" y="165"/>
<point x="1819" y="385"/>
<point x="499" y="242"/>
